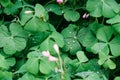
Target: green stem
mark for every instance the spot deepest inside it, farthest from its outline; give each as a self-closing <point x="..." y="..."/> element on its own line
<point x="103" y="20"/>
<point x="61" y="66"/>
<point x="49" y="2"/>
<point x="29" y="6"/>
<point x="59" y="23"/>
<point x="96" y="19"/>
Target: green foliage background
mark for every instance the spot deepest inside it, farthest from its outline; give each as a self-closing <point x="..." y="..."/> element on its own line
<point x="89" y="47"/>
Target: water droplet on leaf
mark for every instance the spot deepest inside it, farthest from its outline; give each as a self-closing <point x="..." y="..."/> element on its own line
<point x="73" y="41"/>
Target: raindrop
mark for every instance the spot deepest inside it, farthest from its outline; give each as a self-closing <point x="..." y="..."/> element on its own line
<point x="70" y="47"/>
<point x="68" y="42"/>
<point x="70" y="32"/>
<point x="50" y="9"/>
<point x="66" y="66"/>
<point x="62" y="12"/>
<point x="75" y="37"/>
<point x="97" y="72"/>
<point x="73" y="41"/>
<point x="35" y="42"/>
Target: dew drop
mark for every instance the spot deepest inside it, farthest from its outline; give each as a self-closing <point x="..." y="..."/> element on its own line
<point x="66" y="66"/>
<point x="70" y="32"/>
<point x="73" y="41"/>
<point x="50" y="9"/>
<point x="62" y="12"/>
<point x="70" y="47"/>
<point x="68" y="42"/>
<point x="97" y="72"/>
<point x="75" y="37"/>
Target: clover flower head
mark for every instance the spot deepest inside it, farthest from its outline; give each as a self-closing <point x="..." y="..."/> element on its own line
<point x="51" y="58"/>
<point x="59" y="1"/>
<point x="56" y="48"/>
<point x="46" y="53"/>
<point x="85" y="15"/>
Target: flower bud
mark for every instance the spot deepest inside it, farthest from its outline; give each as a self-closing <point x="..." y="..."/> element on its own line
<point x="28" y="12"/>
<point x="46" y="53"/>
<point x="85" y="15"/>
<point x="51" y="58"/>
<point x="59" y="1"/>
<point x="55" y="46"/>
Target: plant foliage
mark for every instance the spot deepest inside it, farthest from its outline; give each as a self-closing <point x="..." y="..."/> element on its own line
<point x="59" y="39"/>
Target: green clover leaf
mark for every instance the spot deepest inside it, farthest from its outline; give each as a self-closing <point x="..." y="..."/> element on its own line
<point x="98" y="8"/>
<point x="5" y="75"/>
<point x="5" y="63"/>
<point x="115" y="21"/>
<point x="70" y="36"/>
<point x="28" y="76"/>
<point x="40" y="12"/>
<point x="81" y="56"/>
<point x="5" y="3"/>
<point x="73" y="37"/>
<point x="71" y="15"/>
<point x="104" y="35"/>
<point x="12" y="41"/>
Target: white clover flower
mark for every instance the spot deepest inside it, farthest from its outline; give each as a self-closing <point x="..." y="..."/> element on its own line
<point x="51" y="58"/>
<point x="46" y="53"/>
<point x="59" y="1"/>
<point x="56" y="48"/>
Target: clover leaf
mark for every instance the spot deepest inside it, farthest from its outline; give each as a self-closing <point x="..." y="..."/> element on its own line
<point x="117" y="78"/>
<point x="71" y="42"/>
<point x="43" y="67"/>
<point x="90" y="71"/>
<point x="5" y="75"/>
<point x="104" y="59"/>
<point x="24" y="16"/>
<point x="98" y="8"/>
<point x="32" y="62"/>
<point x="12" y="41"/>
<point x="54" y="8"/>
<point x="13" y="9"/>
<point x="115" y="22"/>
<point x="86" y="38"/>
<point x="81" y="56"/>
<point x="5" y="3"/>
<point x="48" y="43"/>
<point x="71" y="15"/>
<point x="6" y="63"/>
<point x="104" y="35"/>
<point x="28" y="76"/>
<point x="40" y="12"/>
<point x="115" y="45"/>
<point x="36" y="25"/>
<point x="73" y="37"/>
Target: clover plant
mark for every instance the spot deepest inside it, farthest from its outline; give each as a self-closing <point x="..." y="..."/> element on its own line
<point x="59" y="40"/>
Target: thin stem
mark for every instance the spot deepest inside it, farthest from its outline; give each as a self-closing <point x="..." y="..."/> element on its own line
<point x="61" y="66"/>
<point x="96" y="19"/>
<point x="49" y="2"/>
<point x="103" y="20"/>
<point x="59" y="23"/>
<point x="81" y="8"/>
<point x="57" y="63"/>
<point x="29" y="6"/>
